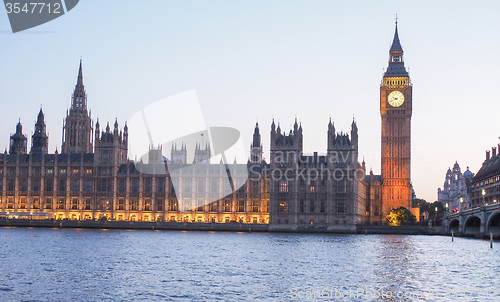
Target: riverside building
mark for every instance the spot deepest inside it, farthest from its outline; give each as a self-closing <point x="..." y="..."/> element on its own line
<point x="92" y="177"/>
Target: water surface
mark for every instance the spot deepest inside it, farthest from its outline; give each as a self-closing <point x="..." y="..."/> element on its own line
<point x="115" y="265"/>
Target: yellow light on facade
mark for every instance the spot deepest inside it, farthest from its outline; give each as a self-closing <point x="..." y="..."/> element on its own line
<point x="483" y="192"/>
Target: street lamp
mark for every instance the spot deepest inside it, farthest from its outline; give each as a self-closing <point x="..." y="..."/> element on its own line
<point x="483" y="192"/>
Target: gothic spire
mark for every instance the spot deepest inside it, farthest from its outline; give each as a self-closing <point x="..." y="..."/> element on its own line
<point x="80" y="75"/>
<point x="396" y="66"/>
<point x="39" y="139"/>
<point x="79" y="96"/>
<point x="18" y="141"/>
<point x="256" y="136"/>
<point x="396" y="45"/>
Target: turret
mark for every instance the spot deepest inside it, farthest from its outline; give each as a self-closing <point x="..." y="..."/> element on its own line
<point x="354" y="134"/>
<point x="39" y="139"/>
<point x="111" y="147"/>
<point x="18" y="141"/>
<point x="256" y="146"/>
<point x="97" y="131"/>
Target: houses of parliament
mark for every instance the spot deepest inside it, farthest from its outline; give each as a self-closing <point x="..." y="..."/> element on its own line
<point x="92" y="177"/>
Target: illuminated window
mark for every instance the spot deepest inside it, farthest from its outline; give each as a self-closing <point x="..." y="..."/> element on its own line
<point x="74" y="203"/>
<point x="36" y="203"/>
<point x="23" y="203"/>
<point x="284" y="186"/>
<point x="283" y="207"/>
<point x="134" y="204"/>
<point x="213" y="206"/>
<point x="172" y="205"/>
<point x="227" y="206"/>
<point x="147" y="205"/>
<point x="255" y="206"/>
<point x="48" y="203"/>
<point x="10" y="203"/>
<point x="312" y="188"/>
<point x="88" y="204"/>
<point x="241" y="205"/>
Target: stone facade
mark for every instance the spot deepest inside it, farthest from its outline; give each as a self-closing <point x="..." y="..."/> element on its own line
<point x="455" y="195"/>
<point x="324" y="190"/>
<point x="486" y="183"/>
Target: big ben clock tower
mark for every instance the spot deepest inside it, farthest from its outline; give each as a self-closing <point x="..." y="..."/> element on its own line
<point x="395" y="110"/>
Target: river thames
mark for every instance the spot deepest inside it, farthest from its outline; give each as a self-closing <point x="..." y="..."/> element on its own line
<point x="106" y="265"/>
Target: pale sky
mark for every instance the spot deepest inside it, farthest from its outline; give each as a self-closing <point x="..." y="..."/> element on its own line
<point x="254" y="60"/>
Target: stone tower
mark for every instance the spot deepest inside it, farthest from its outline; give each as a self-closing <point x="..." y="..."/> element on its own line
<point x="18" y="141"/>
<point x="178" y="156"/>
<point x="396" y="111"/>
<point x="77" y="129"/>
<point x="111" y="146"/>
<point x="256" y="146"/>
<point x="285" y="154"/>
<point x="201" y="155"/>
<point x="39" y="139"/>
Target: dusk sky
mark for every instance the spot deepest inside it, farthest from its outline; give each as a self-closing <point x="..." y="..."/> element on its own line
<point x="254" y="60"/>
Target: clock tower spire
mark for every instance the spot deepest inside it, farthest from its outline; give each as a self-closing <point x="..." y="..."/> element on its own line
<point x="396" y="111"/>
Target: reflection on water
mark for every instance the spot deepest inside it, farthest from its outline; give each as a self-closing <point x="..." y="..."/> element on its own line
<point x="91" y="265"/>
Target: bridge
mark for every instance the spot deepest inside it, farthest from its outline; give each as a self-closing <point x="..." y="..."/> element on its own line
<point x="477" y="222"/>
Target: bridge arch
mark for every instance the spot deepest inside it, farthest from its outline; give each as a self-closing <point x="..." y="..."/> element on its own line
<point x="472" y="226"/>
<point x="493" y="224"/>
<point x="454" y="226"/>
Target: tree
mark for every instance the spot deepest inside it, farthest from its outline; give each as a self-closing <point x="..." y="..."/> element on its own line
<point x="418" y="202"/>
<point x="399" y="216"/>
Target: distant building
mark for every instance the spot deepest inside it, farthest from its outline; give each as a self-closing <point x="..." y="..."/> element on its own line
<point x="486" y="182"/>
<point x="455" y="195"/>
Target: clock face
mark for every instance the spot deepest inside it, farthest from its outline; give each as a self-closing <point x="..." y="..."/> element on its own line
<point x="396" y="98"/>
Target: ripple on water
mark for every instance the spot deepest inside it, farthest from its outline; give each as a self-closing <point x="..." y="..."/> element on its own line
<point x="89" y="265"/>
